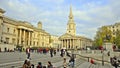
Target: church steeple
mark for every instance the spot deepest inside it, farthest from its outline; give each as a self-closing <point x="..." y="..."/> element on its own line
<point x="70" y="15"/>
<point x="71" y="26"/>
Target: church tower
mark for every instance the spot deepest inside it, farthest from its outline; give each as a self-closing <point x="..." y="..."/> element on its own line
<point x="39" y="25"/>
<point x="71" y="26"/>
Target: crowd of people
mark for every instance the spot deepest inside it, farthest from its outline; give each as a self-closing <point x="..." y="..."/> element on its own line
<point x="27" y="64"/>
<point x="52" y="52"/>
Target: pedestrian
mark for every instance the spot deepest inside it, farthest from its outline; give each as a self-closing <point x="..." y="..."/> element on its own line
<point x="54" y="52"/>
<point x="28" y="64"/>
<point x="64" y="63"/>
<point x="61" y="53"/>
<point x="39" y="65"/>
<point x="0" y="49"/>
<point x="67" y="53"/>
<point x="72" y="61"/>
<point x="25" y="64"/>
<point x="92" y="61"/>
<point x="49" y="65"/>
<point x="108" y="53"/>
<point x="115" y="62"/>
<point x="28" y="52"/>
<point x="51" y="52"/>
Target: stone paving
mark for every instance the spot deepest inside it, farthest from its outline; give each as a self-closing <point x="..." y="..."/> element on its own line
<point x="16" y="59"/>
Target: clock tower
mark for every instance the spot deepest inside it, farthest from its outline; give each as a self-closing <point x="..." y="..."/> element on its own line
<point x="71" y="26"/>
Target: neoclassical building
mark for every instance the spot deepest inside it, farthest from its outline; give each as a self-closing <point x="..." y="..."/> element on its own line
<point x="69" y="40"/>
<point x="21" y="33"/>
<point x="114" y="28"/>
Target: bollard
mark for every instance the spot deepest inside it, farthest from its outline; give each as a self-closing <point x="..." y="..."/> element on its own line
<point x="88" y="59"/>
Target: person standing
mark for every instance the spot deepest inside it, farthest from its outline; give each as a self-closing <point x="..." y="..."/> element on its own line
<point x="64" y="63"/>
<point x="51" y="52"/>
<point x="28" y="52"/>
<point x="54" y="52"/>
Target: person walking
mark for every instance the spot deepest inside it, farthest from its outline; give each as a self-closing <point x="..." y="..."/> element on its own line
<point x="51" y="52"/>
<point x="28" y="52"/>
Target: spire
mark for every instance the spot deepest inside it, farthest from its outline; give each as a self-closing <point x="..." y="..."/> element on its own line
<point x="70" y="15"/>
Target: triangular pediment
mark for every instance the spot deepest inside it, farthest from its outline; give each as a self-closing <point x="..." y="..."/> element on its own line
<point x="64" y="36"/>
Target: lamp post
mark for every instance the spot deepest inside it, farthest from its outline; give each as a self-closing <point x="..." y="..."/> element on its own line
<point x="104" y="40"/>
<point x="103" y="57"/>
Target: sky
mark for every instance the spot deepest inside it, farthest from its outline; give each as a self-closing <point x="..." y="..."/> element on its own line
<point x="89" y="15"/>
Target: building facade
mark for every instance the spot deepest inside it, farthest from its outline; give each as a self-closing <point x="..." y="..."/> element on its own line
<point x="114" y="28"/>
<point x="55" y="42"/>
<point x="21" y="33"/>
<point x="69" y="40"/>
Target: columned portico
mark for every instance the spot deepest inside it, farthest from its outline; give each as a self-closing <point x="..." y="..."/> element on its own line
<point x="68" y="43"/>
<point x="20" y="30"/>
<point x="25" y="37"/>
<point x="69" y="40"/>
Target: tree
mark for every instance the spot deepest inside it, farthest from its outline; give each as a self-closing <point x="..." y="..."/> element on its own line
<point x="117" y="39"/>
<point x="103" y="35"/>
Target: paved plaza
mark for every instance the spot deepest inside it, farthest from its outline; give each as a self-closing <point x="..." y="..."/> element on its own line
<point x="16" y="60"/>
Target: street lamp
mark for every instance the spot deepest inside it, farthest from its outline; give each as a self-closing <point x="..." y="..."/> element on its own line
<point x="103" y="57"/>
<point x="104" y="40"/>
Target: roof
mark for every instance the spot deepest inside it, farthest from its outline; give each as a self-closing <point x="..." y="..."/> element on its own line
<point x="1" y="10"/>
<point x="67" y="36"/>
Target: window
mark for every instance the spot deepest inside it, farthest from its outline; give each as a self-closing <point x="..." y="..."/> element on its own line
<point x="7" y="40"/>
<point x="13" y="41"/>
<point x="14" y="31"/>
<point x="8" y="29"/>
<point x="117" y="30"/>
<point x="113" y="33"/>
<point x="113" y="26"/>
<point x="37" y="43"/>
<point x="113" y="30"/>
<point x="34" y="43"/>
<point x="1" y="39"/>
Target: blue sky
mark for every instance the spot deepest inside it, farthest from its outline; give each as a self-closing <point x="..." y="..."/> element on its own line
<point x="89" y="15"/>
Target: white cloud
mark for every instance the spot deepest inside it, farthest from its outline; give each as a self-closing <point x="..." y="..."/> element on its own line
<point x="88" y="16"/>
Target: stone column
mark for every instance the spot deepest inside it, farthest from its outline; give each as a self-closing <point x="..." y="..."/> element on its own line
<point x="73" y="43"/>
<point x="67" y="43"/>
<point x="24" y="37"/>
<point x="28" y="38"/>
<point x="63" y="43"/>
<point x="20" y="36"/>
<point x="80" y="43"/>
<point x="70" y="43"/>
<point x="31" y="38"/>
